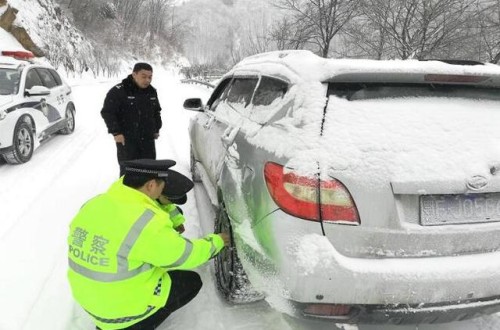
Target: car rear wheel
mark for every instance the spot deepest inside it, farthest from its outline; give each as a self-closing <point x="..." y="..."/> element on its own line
<point x="195" y="175"/>
<point x="23" y="144"/>
<point x="70" y="120"/>
<point x="232" y="281"/>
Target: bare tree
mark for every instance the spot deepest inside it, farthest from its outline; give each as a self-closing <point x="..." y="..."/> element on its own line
<point x="89" y="11"/>
<point x="319" y="20"/>
<point x="233" y="45"/>
<point x="221" y="35"/>
<point x="256" y="34"/>
<point x="419" y="28"/>
<point x="280" y="33"/>
<point x="152" y="14"/>
<point x="488" y="26"/>
<point x="129" y="13"/>
<point x="362" y="38"/>
<point x="176" y="28"/>
<point x="288" y="34"/>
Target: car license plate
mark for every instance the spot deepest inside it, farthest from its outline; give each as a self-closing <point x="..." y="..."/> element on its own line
<point x="459" y="209"/>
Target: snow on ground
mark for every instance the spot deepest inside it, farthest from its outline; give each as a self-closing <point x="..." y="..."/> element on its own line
<point x="39" y="199"/>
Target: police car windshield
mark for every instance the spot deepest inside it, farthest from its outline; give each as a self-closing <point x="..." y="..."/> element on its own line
<point x="9" y="81"/>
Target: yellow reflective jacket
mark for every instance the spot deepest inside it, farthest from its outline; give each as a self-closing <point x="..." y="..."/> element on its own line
<point x="121" y="247"/>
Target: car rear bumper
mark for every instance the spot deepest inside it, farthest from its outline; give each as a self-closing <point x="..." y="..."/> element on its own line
<point x="409" y="314"/>
<point x="396" y="281"/>
<point x="311" y="270"/>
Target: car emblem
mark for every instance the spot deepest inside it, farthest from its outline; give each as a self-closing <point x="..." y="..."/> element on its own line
<point x="477" y="182"/>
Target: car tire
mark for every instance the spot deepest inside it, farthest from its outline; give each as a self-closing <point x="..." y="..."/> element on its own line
<point x="231" y="279"/>
<point x="70" y="120"/>
<point x="195" y="175"/>
<point x="23" y="144"/>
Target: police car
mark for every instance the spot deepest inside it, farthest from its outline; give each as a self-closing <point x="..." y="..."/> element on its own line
<point x="34" y="104"/>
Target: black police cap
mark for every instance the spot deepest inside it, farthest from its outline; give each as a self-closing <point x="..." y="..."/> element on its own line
<point x="148" y="167"/>
<point x="177" y="186"/>
<point x="178" y="201"/>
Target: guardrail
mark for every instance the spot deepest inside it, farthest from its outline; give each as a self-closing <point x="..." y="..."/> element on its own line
<point x="195" y="81"/>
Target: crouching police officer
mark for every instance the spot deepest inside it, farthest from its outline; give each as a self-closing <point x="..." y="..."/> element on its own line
<point x="128" y="266"/>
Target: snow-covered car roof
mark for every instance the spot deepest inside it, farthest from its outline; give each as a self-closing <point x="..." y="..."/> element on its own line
<point x="306" y="66"/>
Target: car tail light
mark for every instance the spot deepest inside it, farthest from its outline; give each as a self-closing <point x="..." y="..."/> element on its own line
<point x="310" y="198"/>
<point x="454" y="78"/>
<point x="18" y="54"/>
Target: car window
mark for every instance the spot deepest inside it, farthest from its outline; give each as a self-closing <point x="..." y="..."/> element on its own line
<point x="241" y="92"/>
<point x="47" y="79"/>
<point x="32" y="79"/>
<point x="219" y="94"/>
<point x="269" y="90"/>
<point x="369" y="91"/>
<point x="56" y="77"/>
<point x="9" y="81"/>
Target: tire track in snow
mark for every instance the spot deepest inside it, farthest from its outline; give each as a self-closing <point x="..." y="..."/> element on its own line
<point x="56" y="159"/>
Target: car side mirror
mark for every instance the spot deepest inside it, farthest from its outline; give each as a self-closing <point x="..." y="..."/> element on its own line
<point x="193" y="104"/>
<point x="37" y="91"/>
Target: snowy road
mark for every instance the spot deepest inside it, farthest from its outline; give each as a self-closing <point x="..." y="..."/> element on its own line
<point x="38" y="199"/>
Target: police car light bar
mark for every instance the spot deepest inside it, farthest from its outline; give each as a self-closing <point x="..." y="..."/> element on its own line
<point x="18" y="54"/>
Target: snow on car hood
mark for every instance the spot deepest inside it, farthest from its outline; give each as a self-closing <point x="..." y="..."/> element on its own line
<point x="5" y="100"/>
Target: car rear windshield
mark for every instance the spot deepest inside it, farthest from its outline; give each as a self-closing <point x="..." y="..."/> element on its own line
<point x="369" y="91"/>
<point x="9" y="81"/>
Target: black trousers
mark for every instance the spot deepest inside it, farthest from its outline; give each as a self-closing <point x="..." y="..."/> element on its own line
<point x="185" y="286"/>
<point x="134" y="150"/>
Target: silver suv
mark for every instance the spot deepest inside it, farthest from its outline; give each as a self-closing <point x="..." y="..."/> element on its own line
<point x="34" y="104"/>
<point x="355" y="190"/>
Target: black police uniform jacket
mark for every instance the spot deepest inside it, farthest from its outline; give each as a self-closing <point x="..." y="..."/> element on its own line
<point x="132" y="111"/>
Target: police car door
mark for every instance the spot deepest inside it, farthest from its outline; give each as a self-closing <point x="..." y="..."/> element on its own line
<point x="36" y="103"/>
<point x="52" y="104"/>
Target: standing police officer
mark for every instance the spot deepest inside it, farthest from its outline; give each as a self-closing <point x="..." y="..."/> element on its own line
<point x="131" y="112"/>
<point x="128" y="266"/>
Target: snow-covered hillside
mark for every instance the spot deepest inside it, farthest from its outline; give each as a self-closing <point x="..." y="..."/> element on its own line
<point x="51" y="31"/>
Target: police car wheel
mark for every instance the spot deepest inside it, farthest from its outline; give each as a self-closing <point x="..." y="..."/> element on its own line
<point x="231" y="279"/>
<point x="23" y="144"/>
<point x="70" y="121"/>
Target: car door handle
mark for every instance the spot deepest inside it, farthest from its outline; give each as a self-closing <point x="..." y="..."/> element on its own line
<point x="232" y="157"/>
<point x="225" y="141"/>
<point x="209" y="123"/>
<point x="248" y="173"/>
<point x="229" y="136"/>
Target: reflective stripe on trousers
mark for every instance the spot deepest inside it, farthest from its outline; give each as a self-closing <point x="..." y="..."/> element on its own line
<point x="123" y="319"/>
